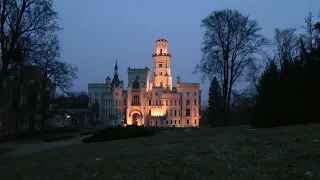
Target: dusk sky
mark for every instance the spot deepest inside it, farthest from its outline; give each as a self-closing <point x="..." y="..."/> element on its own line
<point x="96" y="32"/>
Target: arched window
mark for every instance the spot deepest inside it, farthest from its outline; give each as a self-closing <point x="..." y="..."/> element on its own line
<point x="136" y="85"/>
<point x="187" y="112"/>
<point x="135" y="99"/>
<point x="195" y="112"/>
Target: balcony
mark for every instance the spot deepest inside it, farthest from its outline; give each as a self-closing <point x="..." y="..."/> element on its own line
<point x="161" y="54"/>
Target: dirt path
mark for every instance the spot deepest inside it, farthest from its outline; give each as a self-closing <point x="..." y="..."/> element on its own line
<point x="32" y="147"/>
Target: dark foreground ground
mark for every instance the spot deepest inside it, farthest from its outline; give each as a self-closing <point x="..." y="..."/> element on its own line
<point x="218" y="153"/>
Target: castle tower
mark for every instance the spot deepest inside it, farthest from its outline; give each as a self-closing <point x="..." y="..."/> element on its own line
<point x="115" y="81"/>
<point x="162" y="60"/>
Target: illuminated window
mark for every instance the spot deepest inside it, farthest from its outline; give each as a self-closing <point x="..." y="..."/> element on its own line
<point x="135" y="100"/>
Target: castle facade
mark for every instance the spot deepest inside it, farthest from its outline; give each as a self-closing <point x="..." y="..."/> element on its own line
<point x="150" y="99"/>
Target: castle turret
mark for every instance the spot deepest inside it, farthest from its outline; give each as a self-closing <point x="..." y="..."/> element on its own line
<point x="115" y="81"/>
<point x="162" y="61"/>
<point x="108" y="80"/>
<point x="178" y="79"/>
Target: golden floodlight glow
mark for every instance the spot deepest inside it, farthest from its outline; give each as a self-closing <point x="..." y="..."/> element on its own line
<point x="157" y="112"/>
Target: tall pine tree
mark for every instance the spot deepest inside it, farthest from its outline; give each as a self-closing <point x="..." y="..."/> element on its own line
<point x="215" y="106"/>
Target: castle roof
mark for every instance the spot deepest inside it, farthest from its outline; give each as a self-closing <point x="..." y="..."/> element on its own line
<point x="115" y="81"/>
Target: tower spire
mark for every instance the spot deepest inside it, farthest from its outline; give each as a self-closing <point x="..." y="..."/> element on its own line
<point x="116" y="68"/>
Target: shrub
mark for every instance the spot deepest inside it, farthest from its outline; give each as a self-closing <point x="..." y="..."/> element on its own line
<point x="116" y="133"/>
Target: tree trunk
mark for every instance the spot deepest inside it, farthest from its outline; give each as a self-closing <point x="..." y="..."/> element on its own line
<point x="225" y="90"/>
<point x="42" y="125"/>
<point x="43" y="118"/>
<point x="31" y="122"/>
<point x="16" y="109"/>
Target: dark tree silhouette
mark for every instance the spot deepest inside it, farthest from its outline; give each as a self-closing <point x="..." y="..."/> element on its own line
<point x="288" y="93"/>
<point x="231" y="41"/>
<point x="215" y="106"/>
<point x="22" y="19"/>
<point x="54" y="74"/>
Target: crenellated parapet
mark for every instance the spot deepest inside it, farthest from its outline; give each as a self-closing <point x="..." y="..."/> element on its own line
<point x="188" y="85"/>
<point x="138" y="70"/>
<point x="96" y="85"/>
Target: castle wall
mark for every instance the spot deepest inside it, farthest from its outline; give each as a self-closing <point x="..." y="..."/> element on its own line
<point x="96" y="92"/>
<point x="190" y="101"/>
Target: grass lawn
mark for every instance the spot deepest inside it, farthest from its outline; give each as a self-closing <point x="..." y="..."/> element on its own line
<point x="4" y="150"/>
<point x="219" y="153"/>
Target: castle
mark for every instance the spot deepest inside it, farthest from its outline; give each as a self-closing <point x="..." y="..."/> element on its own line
<point x="145" y="103"/>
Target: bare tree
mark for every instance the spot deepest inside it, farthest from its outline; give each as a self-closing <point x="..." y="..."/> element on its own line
<point x="231" y="43"/>
<point x="18" y="78"/>
<point x="55" y="74"/>
<point x="21" y="20"/>
<point x="312" y="32"/>
<point x="286" y="43"/>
